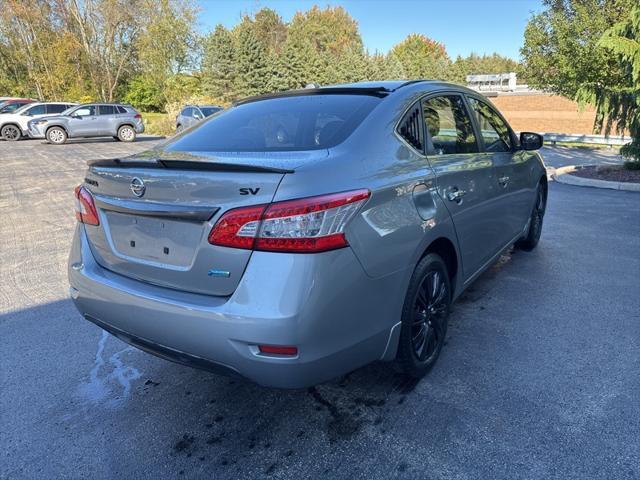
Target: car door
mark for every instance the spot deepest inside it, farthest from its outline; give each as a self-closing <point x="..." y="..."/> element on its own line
<point x="464" y="178"/>
<point x="82" y="120"/>
<point x="510" y="169"/>
<point x="107" y="120"/>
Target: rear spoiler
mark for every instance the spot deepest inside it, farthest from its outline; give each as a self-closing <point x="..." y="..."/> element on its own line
<point x="185" y="165"/>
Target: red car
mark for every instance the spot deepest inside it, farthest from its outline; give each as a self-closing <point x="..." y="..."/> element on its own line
<point x="10" y="105"/>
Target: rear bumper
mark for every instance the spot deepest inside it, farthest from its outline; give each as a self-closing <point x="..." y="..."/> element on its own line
<point x="324" y="304"/>
<point x="139" y="127"/>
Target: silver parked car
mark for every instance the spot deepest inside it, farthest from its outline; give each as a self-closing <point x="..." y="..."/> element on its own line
<point x="192" y="114"/>
<point x="14" y="125"/>
<point x="297" y="236"/>
<point x="120" y="121"/>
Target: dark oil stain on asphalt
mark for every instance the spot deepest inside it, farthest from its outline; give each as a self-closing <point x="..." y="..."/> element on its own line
<point x="185" y="443"/>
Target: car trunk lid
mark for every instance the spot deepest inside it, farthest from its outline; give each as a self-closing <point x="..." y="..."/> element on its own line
<point x="155" y="217"/>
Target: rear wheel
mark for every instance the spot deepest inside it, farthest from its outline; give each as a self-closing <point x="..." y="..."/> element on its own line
<point x="11" y="133"/>
<point x="56" y="135"/>
<point x="424" y="317"/>
<point x="126" y="133"/>
<point x="530" y="241"/>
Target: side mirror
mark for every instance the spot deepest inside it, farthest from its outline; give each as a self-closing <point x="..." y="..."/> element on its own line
<point x="531" y="141"/>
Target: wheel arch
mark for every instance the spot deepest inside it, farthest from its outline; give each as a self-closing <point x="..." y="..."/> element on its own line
<point x="445" y="248"/>
<point x="49" y="127"/>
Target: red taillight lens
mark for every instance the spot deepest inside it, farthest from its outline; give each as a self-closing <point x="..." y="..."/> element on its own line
<point x="278" y="350"/>
<point x="307" y="225"/>
<point x="137" y="115"/>
<point x="85" y="207"/>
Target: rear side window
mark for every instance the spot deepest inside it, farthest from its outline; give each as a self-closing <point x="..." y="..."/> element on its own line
<point x="106" y="110"/>
<point x="187" y="112"/>
<point x="494" y="131"/>
<point x="449" y="125"/>
<point x="56" y="108"/>
<point x="307" y="122"/>
<point x="410" y="128"/>
<point x="120" y="109"/>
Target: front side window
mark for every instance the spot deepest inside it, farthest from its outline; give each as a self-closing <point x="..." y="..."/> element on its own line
<point x="288" y="123"/>
<point x="37" y="110"/>
<point x="449" y="125"/>
<point x="106" y="110"/>
<point x="85" y="111"/>
<point x="494" y="131"/>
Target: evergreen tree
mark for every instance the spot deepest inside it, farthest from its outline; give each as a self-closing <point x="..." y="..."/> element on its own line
<point x="219" y="66"/>
<point x="252" y="64"/>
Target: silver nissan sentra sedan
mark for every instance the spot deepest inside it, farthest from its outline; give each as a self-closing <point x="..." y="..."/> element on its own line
<point x="298" y="236"/>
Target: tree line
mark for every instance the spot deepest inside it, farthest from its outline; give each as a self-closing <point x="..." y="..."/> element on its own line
<point x="150" y="53"/>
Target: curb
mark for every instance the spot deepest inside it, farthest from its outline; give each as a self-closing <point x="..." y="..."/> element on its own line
<point x="563" y="175"/>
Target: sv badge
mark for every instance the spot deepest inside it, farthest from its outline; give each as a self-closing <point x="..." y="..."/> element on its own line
<point x="249" y="191"/>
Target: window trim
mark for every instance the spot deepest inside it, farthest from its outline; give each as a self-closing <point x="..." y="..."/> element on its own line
<point x="397" y="133"/>
<point x="515" y="143"/>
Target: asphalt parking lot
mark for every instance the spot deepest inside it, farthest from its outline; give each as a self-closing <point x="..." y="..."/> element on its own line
<point x="539" y="378"/>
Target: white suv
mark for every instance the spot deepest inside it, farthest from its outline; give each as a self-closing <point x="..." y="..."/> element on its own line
<point x="13" y="126"/>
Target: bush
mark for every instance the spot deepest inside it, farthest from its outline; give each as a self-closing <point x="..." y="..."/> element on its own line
<point x="632" y="152"/>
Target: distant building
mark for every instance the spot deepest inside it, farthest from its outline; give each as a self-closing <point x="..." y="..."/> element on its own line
<point x="498" y="82"/>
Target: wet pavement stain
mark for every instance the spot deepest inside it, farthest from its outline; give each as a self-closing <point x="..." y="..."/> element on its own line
<point x="185" y="443"/>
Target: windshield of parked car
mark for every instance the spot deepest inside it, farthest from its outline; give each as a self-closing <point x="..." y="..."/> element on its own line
<point x="208" y="111"/>
<point x="300" y="122"/>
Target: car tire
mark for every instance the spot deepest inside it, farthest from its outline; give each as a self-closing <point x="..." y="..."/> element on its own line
<point x="531" y="239"/>
<point x="425" y="315"/>
<point x="56" y="135"/>
<point x="179" y="128"/>
<point x="126" y="133"/>
<point x="116" y="138"/>
<point x="11" y="133"/>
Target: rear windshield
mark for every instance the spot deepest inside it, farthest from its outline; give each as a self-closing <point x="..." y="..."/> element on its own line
<point x="309" y="122"/>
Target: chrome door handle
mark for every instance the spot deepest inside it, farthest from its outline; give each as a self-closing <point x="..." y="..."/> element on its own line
<point x="503" y="181"/>
<point x="456" y="195"/>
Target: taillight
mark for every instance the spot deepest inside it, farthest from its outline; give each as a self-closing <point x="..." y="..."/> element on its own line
<point x="307" y="225"/>
<point x="137" y="116"/>
<point x="85" y="207"/>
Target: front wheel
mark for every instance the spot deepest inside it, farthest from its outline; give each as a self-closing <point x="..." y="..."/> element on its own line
<point x="11" y="133"/>
<point x="126" y="134"/>
<point x="530" y="241"/>
<point x="56" y="135"/>
<point x="424" y="317"/>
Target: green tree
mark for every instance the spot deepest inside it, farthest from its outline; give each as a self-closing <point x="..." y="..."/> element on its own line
<point x="219" y="67"/>
<point x="618" y="104"/>
<point x="561" y="51"/>
<point x="331" y="30"/>
<point x="422" y="57"/>
<point x="252" y="64"/>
